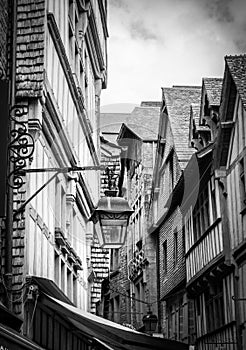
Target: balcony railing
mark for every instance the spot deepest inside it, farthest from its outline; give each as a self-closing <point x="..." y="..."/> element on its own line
<point x="136" y="265"/>
<point x="206" y="248"/>
<point x="223" y="338"/>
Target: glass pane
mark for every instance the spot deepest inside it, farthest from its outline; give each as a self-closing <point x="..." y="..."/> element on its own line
<point x="113" y="234"/>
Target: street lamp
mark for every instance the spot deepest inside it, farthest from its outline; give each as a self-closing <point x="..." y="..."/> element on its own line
<point x="150" y="322"/>
<point x="111" y="219"/>
<point x="111" y="216"/>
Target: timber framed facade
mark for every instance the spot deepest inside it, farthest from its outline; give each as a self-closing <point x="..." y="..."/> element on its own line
<point x="57" y="71"/>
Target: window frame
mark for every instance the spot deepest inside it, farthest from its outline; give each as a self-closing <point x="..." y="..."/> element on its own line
<point x="164" y="257"/>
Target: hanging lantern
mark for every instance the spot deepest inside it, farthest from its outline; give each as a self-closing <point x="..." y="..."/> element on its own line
<point x="150" y="322"/>
<point x="111" y="219"/>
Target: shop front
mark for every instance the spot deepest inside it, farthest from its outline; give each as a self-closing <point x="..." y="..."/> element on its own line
<point x="55" y="324"/>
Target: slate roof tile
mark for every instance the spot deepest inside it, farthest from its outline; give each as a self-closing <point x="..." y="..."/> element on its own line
<point x="151" y="104"/>
<point x="213" y="87"/>
<point x="178" y="101"/>
<point x="111" y="122"/>
<point x="195" y="113"/>
<point x="144" y="122"/>
<point x="30" y="47"/>
<point x="237" y="67"/>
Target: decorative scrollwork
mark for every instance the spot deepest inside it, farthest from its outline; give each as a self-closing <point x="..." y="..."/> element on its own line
<point x="2" y="75"/>
<point x="21" y="145"/>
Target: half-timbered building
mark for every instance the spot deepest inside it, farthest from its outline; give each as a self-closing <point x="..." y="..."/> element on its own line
<point x="214" y="226"/>
<point x="165" y="219"/>
<point x="58" y="67"/>
<point x="230" y="171"/>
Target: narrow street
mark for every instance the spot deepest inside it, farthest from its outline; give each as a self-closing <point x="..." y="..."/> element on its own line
<point x="123" y="175"/>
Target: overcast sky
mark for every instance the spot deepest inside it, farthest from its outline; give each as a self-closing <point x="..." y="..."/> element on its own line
<point x="160" y="43"/>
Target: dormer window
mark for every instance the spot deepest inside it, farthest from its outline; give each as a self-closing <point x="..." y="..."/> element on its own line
<point x="206" y="107"/>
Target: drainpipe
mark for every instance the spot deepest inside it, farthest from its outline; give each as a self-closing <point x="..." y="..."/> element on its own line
<point x="9" y="209"/>
<point x="158" y="281"/>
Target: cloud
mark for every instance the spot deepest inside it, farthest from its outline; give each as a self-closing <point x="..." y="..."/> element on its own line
<point x="119" y="4"/>
<point x="169" y="42"/>
<point x="139" y="31"/>
<point x="220" y="10"/>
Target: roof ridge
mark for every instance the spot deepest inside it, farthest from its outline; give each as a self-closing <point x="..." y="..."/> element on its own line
<point x="186" y="86"/>
<point x="214" y="78"/>
<point x="236" y="55"/>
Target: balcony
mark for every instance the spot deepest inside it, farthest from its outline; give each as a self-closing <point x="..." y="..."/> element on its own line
<point x="67" y="250"/>
<point x="222" y="338"/>
<point x="205" y="250"/>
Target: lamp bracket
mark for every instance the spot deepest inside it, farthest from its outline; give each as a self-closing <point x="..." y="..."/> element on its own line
<point x="57" y="171"/>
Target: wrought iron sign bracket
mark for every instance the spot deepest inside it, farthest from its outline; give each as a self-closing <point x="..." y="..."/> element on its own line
<point x="57" y="171"/>
<point x="21" y="145"/>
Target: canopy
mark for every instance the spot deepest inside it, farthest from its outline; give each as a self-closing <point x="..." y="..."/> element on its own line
<point x="110" y="335"/>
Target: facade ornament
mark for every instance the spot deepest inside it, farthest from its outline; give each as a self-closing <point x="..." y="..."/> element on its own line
<point x="21" y="145"/>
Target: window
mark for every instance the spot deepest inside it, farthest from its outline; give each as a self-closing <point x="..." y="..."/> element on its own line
<point x="71" y="11"/>
<point x="213" y="201"/>
<point x="242" y="175"/>
<point x="175" y="318"/>
<point x="69" y="283"/>
<point x="71" y="45"/>
<point x="171" y="184"/>
<point x="128" y="306"/>
<point x="169" y="175"/>
<point x="183" y="241"/>
<point x="140" y="224"/>
<point x="214" y="306"/>
<point x="63" y="282"/>
<point x="201" y="215"/>
<point x="139" y="300"/>
<point x="114" y="259"/>
<point x="117" y="309"/>
<point x="57" y="269"/>
<point x="75" y="297"/>
<point x="58" y="203"/>
<point x="111" y="310"/>
<point x="164" y="252"/>
<point x="175" y="248"/>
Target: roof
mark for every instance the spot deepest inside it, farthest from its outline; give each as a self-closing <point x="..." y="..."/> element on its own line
<point x="178" y="102"/>
<point x="151" y="104"/>
<point x="193" y="179"/>
<point x="110" y="124"/>
<point x="195" y="113"/>
<point x="30" y="42"/>
<point x="237" y="68"/>
<point x="144" y="122"/>
<point x="213" y="87"/>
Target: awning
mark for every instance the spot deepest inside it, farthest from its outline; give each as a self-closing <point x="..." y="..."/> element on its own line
<point x="10" y="339"/>
<point x="109" y="335"/>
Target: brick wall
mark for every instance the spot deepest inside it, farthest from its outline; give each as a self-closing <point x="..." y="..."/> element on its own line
<point x="119" y="285"/>
<point x="175" y="274"/>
